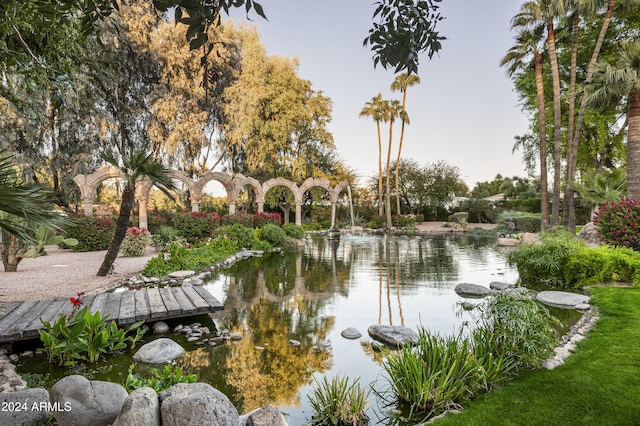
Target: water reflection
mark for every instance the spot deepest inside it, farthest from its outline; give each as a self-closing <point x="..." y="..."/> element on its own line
<point x="310" y="297"/>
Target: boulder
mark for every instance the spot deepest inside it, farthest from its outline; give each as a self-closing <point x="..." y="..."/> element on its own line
<point x="590" y="234"/>
<point x="187" y="404"/>
<point x="562" y="299"/>
<point x="472" y="290"/>
<point x="503" y="241"/>
<point x="393" y="335"/>
<point x="265" y="416"/>
<point x="85" y="402"/>
<point x="496" y="285"/>
<point x="159" y="351"/>
<point x="28" y="407"/>
<point x="140" y="408"/>
<point x="351" y="333"/>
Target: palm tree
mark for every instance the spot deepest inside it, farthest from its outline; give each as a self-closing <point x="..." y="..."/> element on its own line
<point x="136" y="164"/>
<point x="392" y="111"/>
<point x="613" y="82"/>
<point x="603" y="187"/>
<point x="374" y="109"/>
<point x="527" y="45"/>
<point x="401" y="83"/>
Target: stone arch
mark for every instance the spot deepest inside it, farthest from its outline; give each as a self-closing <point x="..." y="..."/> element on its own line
<point x="286" y="183"/>
<point x="239" y="182"/>
<point x="198" y="186"/>
<point x="88" y="185"/>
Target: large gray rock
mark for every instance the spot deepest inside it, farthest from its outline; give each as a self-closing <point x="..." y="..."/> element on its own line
<point x="265" y="416"/>
<point x="393" y="335"/>
<point x="498" y="285"/>
<point x="85" y="402"/>
<point x="562" y="299"/>
<point x="159" y="351"/>
<point x="141" y="408"/>
<point x="472" y="290"/>
<point x="28" y="407"/>
<point x="187" y="404"/>
<point x="590" y="234"/>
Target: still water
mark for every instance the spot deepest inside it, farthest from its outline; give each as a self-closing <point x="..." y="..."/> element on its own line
<point x="311" y="296"/>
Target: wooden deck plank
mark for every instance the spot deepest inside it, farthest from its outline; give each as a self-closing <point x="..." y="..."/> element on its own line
<point x="112" y="307"/>
<point x="22" y="320"/>
<point x="200" y="304"/>
<point x="6" y="308"/>
<point x="173" y="307"/>
<point x="142" y="305"/>
<point x="7" y="321"/>
<point x="156" y="305"/>
<point x="127" y="314"/>
<point x="99" y="302"/>
<point x="185" y="303"/>
<point x="214" y="304"/>
<point x="20" y="324"/>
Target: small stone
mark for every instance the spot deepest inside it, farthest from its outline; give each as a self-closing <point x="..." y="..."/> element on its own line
<point x="351" y="333"/>
<point x="294" y="342"/>
<point x="159" y="327"/>
<point x="178" y="328"/>
<point x="26" y="354"/>
<point x="216" y="339"/>
<point x="192" y="339"/>
<point x="195" y="325"/>
<point x="212" y="342"/>
<point x="235" y="336"/>
<point x="205" y="330"/>
<point x="181" y="274"/>
<point x="582" y="307"/>
<point x="376" y="346"/>
<point x="186" y="329"/>
<point x="259" y="348"/>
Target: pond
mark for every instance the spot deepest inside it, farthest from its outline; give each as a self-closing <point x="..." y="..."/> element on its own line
<point x="292" y="307"/>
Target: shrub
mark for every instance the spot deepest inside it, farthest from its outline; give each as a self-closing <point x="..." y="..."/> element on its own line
<point x="379" y="220"/>
<point x="339" y="402"/>
<point x="293" y="230"/>
<point x="158" y="379"/>
<point x="165" y="236"/>
<point x="525" y="222"/>
<point x="259" y="220"/>
<point x="243" y="236"/>
<point x="544" y="262"/>
<point x="160" y="218"/>
<point x="619" y="223"/>
<point x="402" y="220"/>
<point x="273" y="234"/>
<point x="197" y="226"/>
<point x="135" y="242"/>
<point x="92" y="233"/>
<point x="602" y="264"/>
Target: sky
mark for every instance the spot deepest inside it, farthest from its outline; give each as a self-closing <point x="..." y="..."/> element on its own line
<point x="464" y="111"/>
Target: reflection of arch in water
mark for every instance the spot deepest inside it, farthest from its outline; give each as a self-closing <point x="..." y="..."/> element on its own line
<point x="88" y="185"/>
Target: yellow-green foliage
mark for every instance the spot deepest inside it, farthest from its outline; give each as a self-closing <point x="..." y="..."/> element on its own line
<point x="603" y="264"/>
<point x="135" y="242"/>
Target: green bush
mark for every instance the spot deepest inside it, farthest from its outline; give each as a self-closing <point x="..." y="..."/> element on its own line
<point x="603" y="264"/>
<point x="544" y="262"/>
<point x="293" y="230"/>
<point x="158" y="379"/>
<point x="619" y="223"/>
<point x="196" y="226"/>
<point x="92" y="233"/>
<point x="198" y="256"/>
<point x="525" y="222"/>
<point x="273" y="234"/>
<point x="243" y="236"/>
<point x="135" y="242"/>
<point x="402" y="220"/>
<point x="164" y="236"/>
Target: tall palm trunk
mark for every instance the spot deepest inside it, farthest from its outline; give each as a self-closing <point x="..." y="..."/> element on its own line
<point x="379" y="171"/>
<point x="633" y="146"/>
<point x="388" y="194"/>
<point x="569" y="210"/>
<point x="557" y="123"/>
<point x="128" y="198"/>
<point x="574" y="139"/>
<point x="542" y="135"/>
<point x="404" y="103"/>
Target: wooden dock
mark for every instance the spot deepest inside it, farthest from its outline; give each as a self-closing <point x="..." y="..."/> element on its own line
<point x="22" y="320"/>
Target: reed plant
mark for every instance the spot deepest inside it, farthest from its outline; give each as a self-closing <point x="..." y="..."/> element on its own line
<point x="339" y="402"/>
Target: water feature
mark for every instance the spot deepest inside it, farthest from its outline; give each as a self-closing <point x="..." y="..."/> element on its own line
<point x="308" y="298"/>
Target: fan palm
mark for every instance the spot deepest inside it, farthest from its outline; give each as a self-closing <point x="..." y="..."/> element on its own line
<point x="401" y="83"/>
<point x="603" y="187"/>
<point x="136" y="164"/>
<point x="527" y="46"/>
<point x="374" y="109"/>
<point x="613" y="82"/>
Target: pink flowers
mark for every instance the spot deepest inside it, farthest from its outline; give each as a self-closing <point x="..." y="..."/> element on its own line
<point x="135" y="232"/>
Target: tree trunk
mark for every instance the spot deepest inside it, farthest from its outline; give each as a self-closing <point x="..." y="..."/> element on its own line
<point x="128" y="198"/>
<point x="633" y="146"/>
<point x="574" y="139"/>
<point x="542" y="135"/>
<point x="404" y="103"/>
<point x="557" y="123"/>
<point x="11" y="253"/>
<point x="388" y="194"/>
<point x="379" y="171"/>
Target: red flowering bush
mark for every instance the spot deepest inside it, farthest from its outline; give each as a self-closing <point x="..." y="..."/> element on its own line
<point x="196" y="226"/>
<point x="93" y="233"/>
<point x="135" y="242"/>
<point x="619" y="223"/>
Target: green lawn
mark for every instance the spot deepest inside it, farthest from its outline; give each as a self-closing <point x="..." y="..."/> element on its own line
<point x="598" y="385"/>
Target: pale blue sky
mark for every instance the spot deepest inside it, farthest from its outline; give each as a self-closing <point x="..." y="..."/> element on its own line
<point x="464" y="111"/>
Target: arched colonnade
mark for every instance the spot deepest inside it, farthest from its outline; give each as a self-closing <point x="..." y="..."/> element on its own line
<point x="88" y="185"/>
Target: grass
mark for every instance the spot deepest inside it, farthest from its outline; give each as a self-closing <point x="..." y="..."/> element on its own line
<point x="598" y="385"/>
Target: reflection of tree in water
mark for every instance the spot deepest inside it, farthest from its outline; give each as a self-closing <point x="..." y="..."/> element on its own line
<point x="274" y="373"/>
